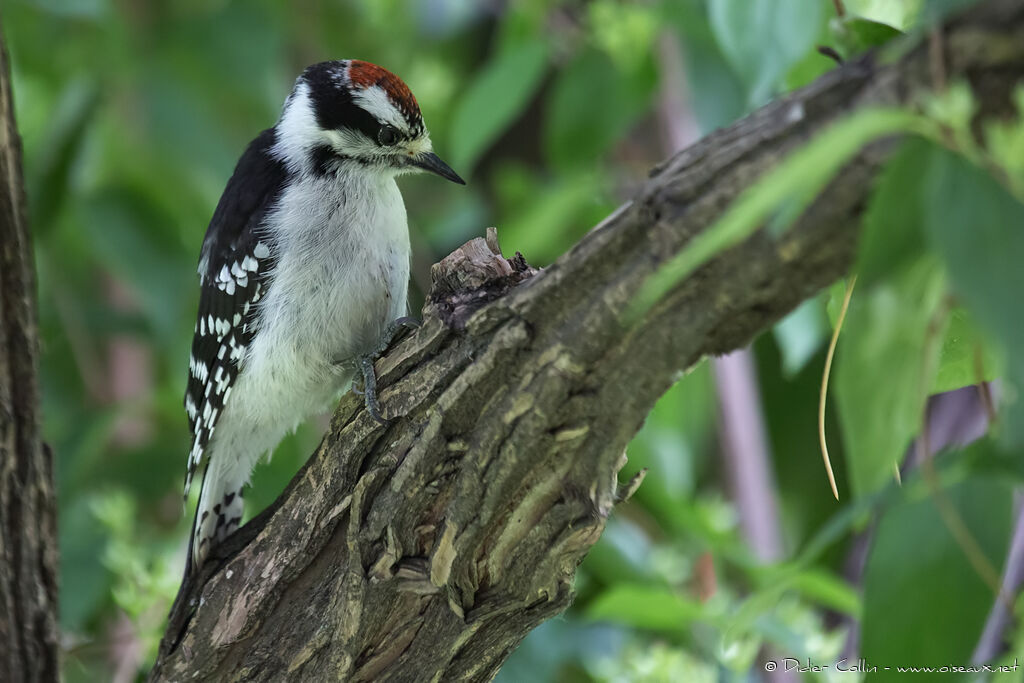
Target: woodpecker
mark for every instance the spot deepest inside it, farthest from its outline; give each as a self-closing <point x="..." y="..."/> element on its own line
<point x="303" y="272"/>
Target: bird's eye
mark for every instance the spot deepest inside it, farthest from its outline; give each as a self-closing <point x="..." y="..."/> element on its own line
<point x="387" y="135"/>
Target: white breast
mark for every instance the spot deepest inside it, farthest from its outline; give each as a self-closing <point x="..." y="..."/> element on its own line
<point x="341" y="277"/>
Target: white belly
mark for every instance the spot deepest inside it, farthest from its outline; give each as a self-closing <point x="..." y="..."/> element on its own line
<point x="341" y="278"/>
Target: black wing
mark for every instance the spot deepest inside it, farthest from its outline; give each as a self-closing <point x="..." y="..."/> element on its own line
<point x="234" y="266"/>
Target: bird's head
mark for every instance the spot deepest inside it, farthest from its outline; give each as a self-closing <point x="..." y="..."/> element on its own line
<point x="353" y="111"/>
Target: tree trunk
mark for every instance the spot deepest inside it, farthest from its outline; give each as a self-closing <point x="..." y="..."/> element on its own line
<point x="28" y="533"/>
<point x="427" y="549"/>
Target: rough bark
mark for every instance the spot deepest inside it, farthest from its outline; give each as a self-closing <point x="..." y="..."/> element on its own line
<point x="427" y="549"/>
<point x="28" y="534"/>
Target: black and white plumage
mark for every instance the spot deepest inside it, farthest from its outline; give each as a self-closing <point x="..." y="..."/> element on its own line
<point x="304" y="266"/>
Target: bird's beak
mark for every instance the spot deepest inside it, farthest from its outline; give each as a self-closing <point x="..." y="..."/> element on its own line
<point x="431" y="162"/>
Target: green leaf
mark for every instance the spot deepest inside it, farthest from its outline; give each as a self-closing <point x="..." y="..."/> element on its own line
<point x="809" y="69"/>
<point x="651" y="607"/>
<point x="81" y="10"/>
<point x="50" y="173"/>
<point x="857" y="34"/>
<point x="717" y="95"/>
<point x="828" y="590"/>
<point x="893" y="232"/>
<point x="776" y="581"/>
<point x="924" y="603"/>
<point x="763" y="39"/>
<point x="555" y="645"/>
<point x="497" y="95"/>
<point x="953" y="111"/>
<point x="84" y="581"/>
<point x="834" y="302"/>
<point x="670" y="443"/>
<point x="622" y="555"/>
<point x="800" y="335"/>
<point x="894" y="236"/>
<point x="591" y="106"/>
<point x="618" y="27"/>
<point x="897" y="13"/>
<point x="129" y="236"/>
<point x="882" y="371"/>
<point x="978" y="229"/>
<point x="541" y="212"/>
<point x="1004" y="140"/>
<point x="959" y="359"/>
<point x="782" y="194"/>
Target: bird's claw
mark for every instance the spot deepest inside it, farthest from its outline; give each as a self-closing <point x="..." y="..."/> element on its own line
<point x="369" y="392"/>
<point x="406" y="322"/>
<point x="370" y="389"/>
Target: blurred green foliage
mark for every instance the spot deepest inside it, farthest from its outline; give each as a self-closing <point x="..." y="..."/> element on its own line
<point x="133" y="114"/>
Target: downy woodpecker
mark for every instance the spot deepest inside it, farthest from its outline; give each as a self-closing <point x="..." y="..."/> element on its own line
<point x="303" y="271"/>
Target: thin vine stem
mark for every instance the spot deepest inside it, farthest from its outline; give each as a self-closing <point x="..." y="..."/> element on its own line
<point x="822" y="397"/>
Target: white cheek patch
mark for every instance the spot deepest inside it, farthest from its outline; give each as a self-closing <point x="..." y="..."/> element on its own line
<point x="297" y="129"/>
<point x="377" y="103"/>
<point x="351" y="143"/>
<point x="420" y="145"/>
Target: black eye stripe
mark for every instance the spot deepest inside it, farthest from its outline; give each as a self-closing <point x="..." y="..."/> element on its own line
<point x="333" y="106"/>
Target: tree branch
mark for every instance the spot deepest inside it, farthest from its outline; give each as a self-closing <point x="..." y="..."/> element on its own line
<point x="28" y="533"/>
<point x="426" y="550"/>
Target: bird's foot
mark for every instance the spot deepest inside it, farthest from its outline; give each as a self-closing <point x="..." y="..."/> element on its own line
<point x="406" y="322"/>
<point x="369" y="391"/>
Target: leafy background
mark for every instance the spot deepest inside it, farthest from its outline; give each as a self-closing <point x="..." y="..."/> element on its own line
<point x="133" y="114"/>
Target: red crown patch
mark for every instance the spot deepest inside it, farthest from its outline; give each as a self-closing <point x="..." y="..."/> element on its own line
<point x="367" y="75"/>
